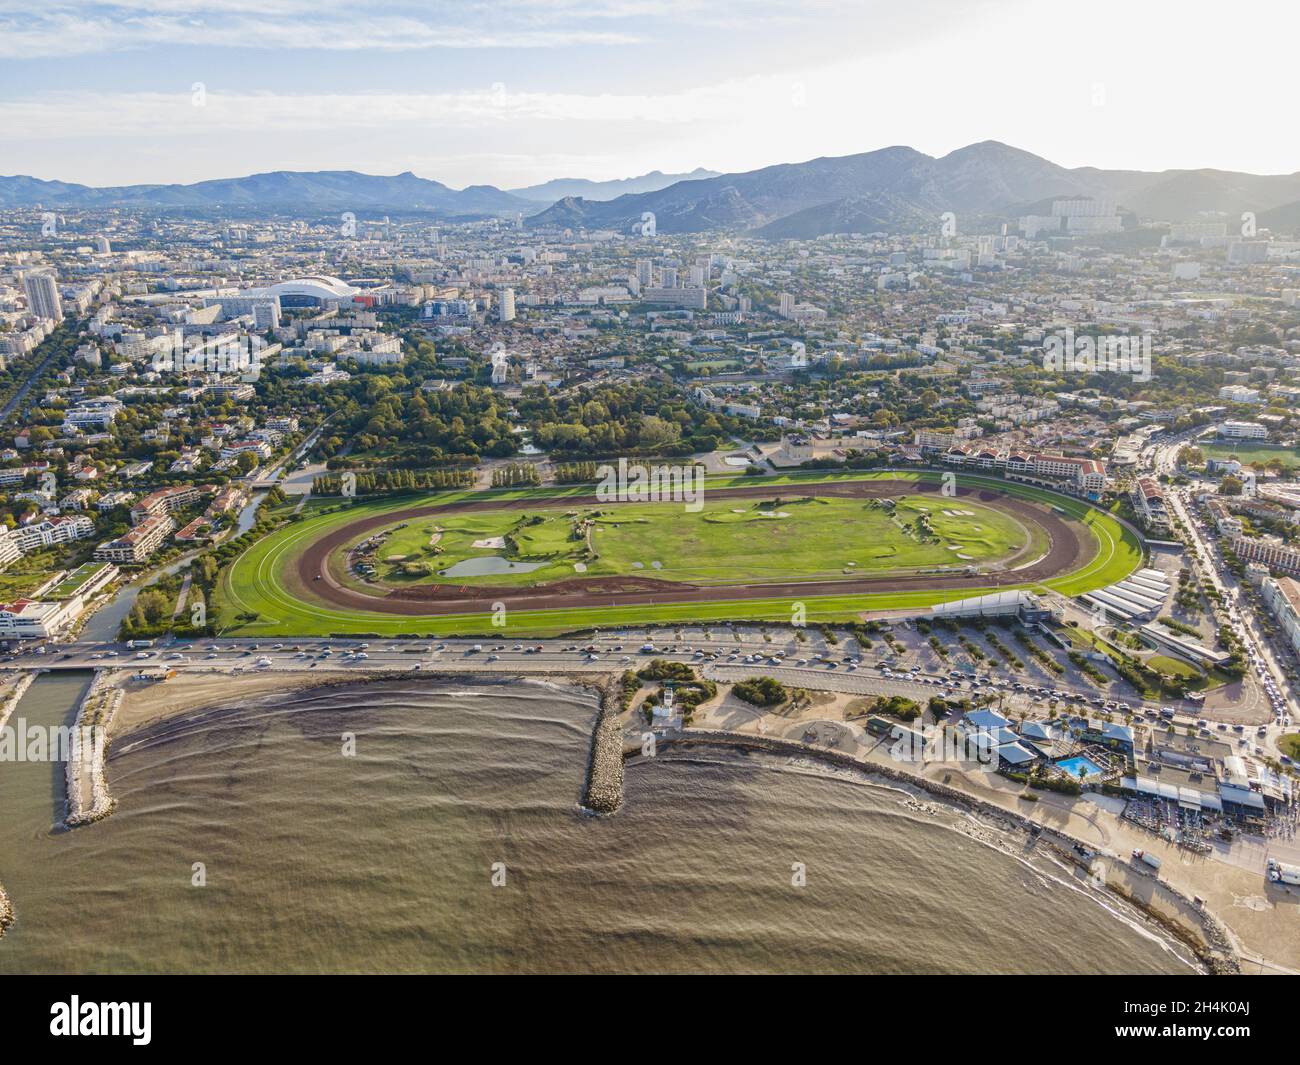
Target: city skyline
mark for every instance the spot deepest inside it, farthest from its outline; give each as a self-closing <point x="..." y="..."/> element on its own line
<point x="128" y="92"/>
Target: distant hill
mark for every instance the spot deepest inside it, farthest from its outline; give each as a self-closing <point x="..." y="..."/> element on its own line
<point x="891" y="190"/>
<point x="897" y="188"/>
<point x="326" y="189"/>
<point x="560" y="188"/>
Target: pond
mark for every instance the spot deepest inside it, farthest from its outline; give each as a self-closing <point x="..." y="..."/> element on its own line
<point x="488" y="565"/>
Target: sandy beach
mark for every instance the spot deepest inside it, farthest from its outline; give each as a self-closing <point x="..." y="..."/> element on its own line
<point x="1263" y="918"/>
<point x="145" y="703"/>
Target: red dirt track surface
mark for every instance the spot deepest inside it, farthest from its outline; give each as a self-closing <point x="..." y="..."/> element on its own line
<point x="1071" y="546"/>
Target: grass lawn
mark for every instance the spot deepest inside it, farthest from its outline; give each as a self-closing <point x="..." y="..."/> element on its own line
<point x="1252" y="452"/>
<point x="1290" y="745"/>
<point x="1173" y="667"/>
<point x="727" y="542"/>
<point x="256" y="583"/>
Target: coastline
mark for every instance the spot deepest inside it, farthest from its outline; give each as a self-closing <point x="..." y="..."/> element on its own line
<point x="1169" y="901"/>
<point x="1194" y="927"/>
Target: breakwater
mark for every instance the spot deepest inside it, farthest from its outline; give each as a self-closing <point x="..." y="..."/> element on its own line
<point x="16" y="691"/>
<point x="88" y="795"/>
<point x="603" y="793"/>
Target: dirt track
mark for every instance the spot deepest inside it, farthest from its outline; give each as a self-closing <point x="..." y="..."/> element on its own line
<point x="1070" y="547"/>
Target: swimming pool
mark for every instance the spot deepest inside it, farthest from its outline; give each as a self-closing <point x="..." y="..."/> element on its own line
<point x="1079" y="762"/>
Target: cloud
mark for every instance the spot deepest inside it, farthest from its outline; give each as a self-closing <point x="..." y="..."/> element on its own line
<point x="64" y="31"/>
<point x="207" y="110"/>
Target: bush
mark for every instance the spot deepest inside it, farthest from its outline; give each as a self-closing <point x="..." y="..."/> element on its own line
<point x="761" y="691"/>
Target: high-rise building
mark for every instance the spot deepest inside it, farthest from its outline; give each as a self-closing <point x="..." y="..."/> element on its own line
<point x="103" y="246"/>
<point x="43" y="296"/>
<point x="506" y="308"/>
<point x="645" y="273"/>
<point x="266" y="315"/>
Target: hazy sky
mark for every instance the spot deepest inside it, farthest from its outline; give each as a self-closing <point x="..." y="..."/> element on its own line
<point x="517" y="91"/>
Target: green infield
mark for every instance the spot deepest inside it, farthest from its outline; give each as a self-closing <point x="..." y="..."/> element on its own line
<point x="727" y="542"/>
<point x="730" y="539"/>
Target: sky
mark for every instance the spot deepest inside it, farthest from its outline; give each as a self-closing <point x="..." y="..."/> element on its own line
<point x="514" y="92"/>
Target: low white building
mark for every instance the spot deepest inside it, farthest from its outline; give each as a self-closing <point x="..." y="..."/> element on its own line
<point x="28" y="619"/>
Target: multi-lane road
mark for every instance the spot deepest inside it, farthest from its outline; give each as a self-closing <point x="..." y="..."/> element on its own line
<point x="1266" y="670"/>
<point x="725" y="654"/>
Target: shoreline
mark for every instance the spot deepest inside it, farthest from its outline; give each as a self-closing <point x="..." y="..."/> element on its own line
<point x="1208" y="939"/>
<point x="1216" y="944"/>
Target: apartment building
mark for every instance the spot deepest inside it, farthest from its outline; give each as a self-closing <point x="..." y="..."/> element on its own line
<point x="1283" y="599"/>
<point x="1269" y="552"/>
<point x="1242" y="431"/>
<point x="164" y="501"/>
<point x="139" y="543"/>
<point x="61" y="530"/>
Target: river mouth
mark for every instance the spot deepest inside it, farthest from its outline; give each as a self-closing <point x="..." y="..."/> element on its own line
<point x="487" y="566"/>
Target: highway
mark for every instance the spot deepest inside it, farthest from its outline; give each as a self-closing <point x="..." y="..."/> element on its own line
<point x="722" y="654"/>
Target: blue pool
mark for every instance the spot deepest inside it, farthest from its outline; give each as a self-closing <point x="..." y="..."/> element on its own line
<point x="1079" y="762"/>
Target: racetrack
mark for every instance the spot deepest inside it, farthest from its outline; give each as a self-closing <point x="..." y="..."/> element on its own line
<point x="1071" y="546"/>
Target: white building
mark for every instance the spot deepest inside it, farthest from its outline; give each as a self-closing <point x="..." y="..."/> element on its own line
<point x="31" y="619"/>
<point x="43" y="295"/>
<point x="1283" y="599"/>
<point x="1242" y="431"/>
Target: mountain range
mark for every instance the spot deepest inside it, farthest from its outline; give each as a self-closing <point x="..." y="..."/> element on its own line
<point x="550" y="191"/>
<point x="899" y="188"/>
<point x="280" y="189"/>
<point x="892" y="189"/>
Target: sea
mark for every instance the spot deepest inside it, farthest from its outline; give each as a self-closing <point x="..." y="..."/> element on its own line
<point x="435" y="826"/>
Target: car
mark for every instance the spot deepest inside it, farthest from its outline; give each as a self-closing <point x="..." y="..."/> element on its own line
<point x="493" y="658"/>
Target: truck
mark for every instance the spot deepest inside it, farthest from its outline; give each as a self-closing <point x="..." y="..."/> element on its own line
<point x="1281" y="873"/>
<point x="1149" y="859"/>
